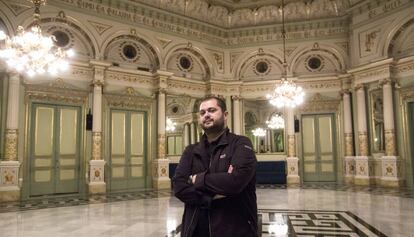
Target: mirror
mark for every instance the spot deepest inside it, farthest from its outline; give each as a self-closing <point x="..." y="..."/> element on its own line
<point x="182" y="114"/>
<point x="377" y="114"/>
<point x="264" y="125"/>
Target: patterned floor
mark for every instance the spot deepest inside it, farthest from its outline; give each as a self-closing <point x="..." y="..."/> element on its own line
<point x="309" y="223"/>
<point x="62" y="201"/>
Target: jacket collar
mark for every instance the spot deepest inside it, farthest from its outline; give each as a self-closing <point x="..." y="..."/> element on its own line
<point x="222" y="140"/>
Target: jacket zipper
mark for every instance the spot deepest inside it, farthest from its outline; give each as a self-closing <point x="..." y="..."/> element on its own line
<point x="209" y="223"/>
<point x="191" y="222"/>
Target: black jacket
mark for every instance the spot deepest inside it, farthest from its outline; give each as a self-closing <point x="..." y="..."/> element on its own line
<point x="236" y="214"/>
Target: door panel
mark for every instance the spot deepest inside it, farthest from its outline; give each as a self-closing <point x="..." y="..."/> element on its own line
<point x="54" y="156"/>
<point x="318" y="148"/>
<point x="128" y="160"/>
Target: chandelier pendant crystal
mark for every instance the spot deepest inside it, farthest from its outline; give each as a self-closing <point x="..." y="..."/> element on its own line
<point x="32" y="53"/>
<point x="276" y="122"/>
<point x="286" y="93"/>
<point x="170" y="126"/>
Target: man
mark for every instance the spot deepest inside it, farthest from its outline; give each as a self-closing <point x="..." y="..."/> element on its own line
<point x="216" y="179"/>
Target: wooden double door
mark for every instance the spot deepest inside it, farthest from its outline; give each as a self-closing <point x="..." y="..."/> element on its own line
<point x="319" y="148"/>
<point x="54" y="155"/>
<point x="128" y="149"/>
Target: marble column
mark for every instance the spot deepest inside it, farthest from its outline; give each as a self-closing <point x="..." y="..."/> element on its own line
<point x="292" y="161"/>
<point x="390" y="162"/>
<point x="9" y="166"/>
<point x="192" y="133"/>
<point x="349" y="158"/>
<point x="363" y="163"/>
<point x="97" y="162"/>
<point x="236" y="115"/>
<point x="230" y="115"/>
<point x="268" y="140"/>
<point x="186" y="134"/>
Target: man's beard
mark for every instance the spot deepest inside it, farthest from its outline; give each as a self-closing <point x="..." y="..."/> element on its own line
<point x="217" y="127"/>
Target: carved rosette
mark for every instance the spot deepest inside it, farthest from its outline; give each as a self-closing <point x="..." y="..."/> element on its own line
<point x="10" y="152"/>
<point x="390" y="142"/>
<point x="390" y="167"/>
<point x="291" y="146"/>
<point x="161" y="146"/>
<point x="292" y="166"/>
<point x="363" y="143"/>
<point x="96" y="145"/>
<point x="362" y="167"/>
<point x="9" y="176"/>
<point x="349" y="144"/>
<point x="160" y="168"/>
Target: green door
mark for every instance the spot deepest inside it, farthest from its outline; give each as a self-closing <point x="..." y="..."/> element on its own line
<point x="55" y="152"/>
<point x="318" y="148"/>
<point x="127" y="150"/>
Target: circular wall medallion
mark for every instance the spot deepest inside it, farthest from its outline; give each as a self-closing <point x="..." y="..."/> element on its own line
<point x="61" y="38"/>
<point x="261" y="67"/>
<point x="130" y="51"/>
<point x="314" y="63"/>
<point x="185" y="62"/>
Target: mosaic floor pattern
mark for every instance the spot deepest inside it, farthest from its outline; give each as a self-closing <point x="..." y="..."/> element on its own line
<point x="309" y="223"/>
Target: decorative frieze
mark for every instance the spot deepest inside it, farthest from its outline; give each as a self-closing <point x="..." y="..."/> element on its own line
<point x="126" y="101"/>
<point x="318" y="103"/>
<point x="390" y="142"/>
<point x="96" y="146"/>
<point x="127" y="77"/>
<point x="10" y="147"/>
<point x="55" y="91"/>
<point x="349" y="144"/>
<point x="161" y="146"/>
<point x="291" y="146"/>
<point x="363" y="143"/>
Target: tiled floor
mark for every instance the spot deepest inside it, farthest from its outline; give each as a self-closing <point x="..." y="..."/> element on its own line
<point x="305" y="211"/>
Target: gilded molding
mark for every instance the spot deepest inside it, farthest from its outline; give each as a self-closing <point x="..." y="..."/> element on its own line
<point x="96" y="145"/>
<point x="120" y="76"/>
<point x="363" y="143"/>
<point x="291" y="146"/>
<point x="318" y="103"/>
<point x="128" y="101"/>
<point x="349" y="144"/>
<point x="161" y="146"/>
<point x="407" y="93"/>
<point x="10" y="147"/>
<point x="55" y="91"/>
<point x="390" y="149"/>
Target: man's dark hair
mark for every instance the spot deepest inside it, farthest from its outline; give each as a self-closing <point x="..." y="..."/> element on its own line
<point x="220" y="101"/>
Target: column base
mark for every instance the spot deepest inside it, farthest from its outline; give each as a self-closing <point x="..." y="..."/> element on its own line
<point x="390" y="172"/>
<point x="363" y="171"/>
<point x="9" y="181"/>
<point x="292" y="164"/>
<point x="96" y="177"/>
<point x="160" y="174"/>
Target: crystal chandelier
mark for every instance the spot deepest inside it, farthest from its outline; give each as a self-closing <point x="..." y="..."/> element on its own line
<point x="259" y="132"/>
<point x="276" y="122"/>
<point x="31" y="52"/>
<point x="286" y="93"/>
<point x="170" y="125"/>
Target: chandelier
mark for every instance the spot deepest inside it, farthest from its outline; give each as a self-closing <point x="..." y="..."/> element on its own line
<point x="286" y="93"/>
<point x="31" y="52"/>
<point x="259" y="132"/>
<point x="276" y="122"/>
<point x="170" y="125"/>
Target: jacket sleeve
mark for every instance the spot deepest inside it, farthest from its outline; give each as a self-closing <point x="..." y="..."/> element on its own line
<point x="184" y="190"/>
<point x="224" y="183"/>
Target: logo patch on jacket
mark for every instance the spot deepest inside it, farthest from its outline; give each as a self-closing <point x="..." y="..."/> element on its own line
<point x="222" y="156"/>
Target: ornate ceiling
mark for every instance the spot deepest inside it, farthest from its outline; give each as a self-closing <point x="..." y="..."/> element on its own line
<point x="242" y="13"/>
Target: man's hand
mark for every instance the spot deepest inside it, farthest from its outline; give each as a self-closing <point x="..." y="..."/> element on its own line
<point x="192" y="178"/>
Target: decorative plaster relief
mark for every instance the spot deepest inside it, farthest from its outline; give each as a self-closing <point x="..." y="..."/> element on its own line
<point x="100" y="27"/>
<point x="10" y="147"/>
<point x="368" y="42"/>
<point x="96" y="145"/>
